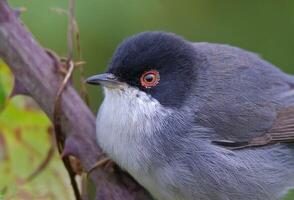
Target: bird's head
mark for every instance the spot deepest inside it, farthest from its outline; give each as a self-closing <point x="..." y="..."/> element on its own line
<point x="158" y="64"/>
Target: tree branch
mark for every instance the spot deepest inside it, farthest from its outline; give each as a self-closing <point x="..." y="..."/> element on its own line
<point x="36" y="73"/>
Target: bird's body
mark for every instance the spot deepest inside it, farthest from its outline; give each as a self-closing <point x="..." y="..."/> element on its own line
<point x="162" y="135"/>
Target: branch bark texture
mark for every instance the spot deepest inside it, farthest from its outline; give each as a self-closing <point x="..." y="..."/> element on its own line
<point x="36" y="74"/>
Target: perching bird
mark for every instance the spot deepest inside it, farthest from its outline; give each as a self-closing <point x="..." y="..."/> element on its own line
<point x="197" y="120"/>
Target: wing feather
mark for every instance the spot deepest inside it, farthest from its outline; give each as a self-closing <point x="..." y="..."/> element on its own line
<point x="282" y="131"/>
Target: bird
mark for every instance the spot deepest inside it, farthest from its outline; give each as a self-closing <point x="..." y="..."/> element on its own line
<point x="197" y="120"/>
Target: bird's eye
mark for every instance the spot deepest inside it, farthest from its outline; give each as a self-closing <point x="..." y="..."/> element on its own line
<point x="150" y="78"/>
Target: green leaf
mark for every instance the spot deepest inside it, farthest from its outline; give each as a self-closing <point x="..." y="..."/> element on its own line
<point x="2" y="97"/>
<point x="24" y="142"/>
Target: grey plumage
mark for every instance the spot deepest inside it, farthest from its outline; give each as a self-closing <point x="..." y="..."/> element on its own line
<point x="237" y="103"/>
<point x="167" y="147"/>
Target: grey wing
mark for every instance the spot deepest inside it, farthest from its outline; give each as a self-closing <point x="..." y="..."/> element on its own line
<point x="282" y="131"/>
<point x="242" y="98"/>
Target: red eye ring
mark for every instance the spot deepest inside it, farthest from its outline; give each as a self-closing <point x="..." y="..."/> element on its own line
<point x="150" y="78"/>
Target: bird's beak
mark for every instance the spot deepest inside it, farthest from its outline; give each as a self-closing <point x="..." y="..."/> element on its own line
<point x="106" y="79"/>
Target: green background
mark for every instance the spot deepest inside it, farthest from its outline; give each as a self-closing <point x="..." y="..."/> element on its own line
<point x="263" y="26"/>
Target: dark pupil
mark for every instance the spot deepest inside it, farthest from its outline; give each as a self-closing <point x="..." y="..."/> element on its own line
<point x="149" y="77"/>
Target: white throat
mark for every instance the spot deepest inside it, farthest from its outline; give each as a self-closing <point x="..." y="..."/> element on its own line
<point x="126" y="118"/>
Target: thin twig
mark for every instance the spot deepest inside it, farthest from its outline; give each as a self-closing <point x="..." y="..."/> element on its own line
<point x="83" y="90"/>
<point x="60" y="136"/>
<point x="33" y="67"/>
<point x="74" y="31"/>
<point x="70" y="29"/>
<point x="46" y="161"/>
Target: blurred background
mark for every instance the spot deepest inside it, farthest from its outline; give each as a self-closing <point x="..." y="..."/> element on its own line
<point x="264" y="26"/>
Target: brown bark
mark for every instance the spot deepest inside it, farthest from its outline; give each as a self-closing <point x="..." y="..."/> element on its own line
<point x="36" y="75"/>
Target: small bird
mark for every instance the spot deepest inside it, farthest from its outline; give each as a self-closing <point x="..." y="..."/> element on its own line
<point x="197" y="120"/>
